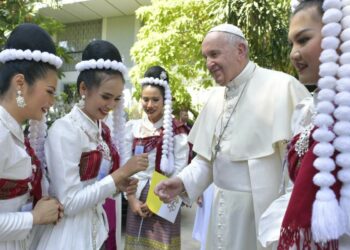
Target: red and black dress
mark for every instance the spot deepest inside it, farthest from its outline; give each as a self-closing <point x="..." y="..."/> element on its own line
<point x="296" y="225"/>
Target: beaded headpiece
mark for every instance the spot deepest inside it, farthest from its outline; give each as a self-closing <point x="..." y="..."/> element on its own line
<point x="167" y="160"/>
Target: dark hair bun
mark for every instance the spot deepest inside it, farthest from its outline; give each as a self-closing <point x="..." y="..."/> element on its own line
<point x="30" y="36"/>
<point x="100" y="49"/>
<point x="157" y="72"/>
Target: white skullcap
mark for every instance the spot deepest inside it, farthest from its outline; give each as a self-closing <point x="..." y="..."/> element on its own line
<point x="228" y="28"/>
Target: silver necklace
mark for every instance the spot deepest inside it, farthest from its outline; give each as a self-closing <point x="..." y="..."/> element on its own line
<point x="217" y="147"/>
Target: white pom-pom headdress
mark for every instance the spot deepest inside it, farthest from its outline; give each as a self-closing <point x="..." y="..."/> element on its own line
<point x="167" y="160"/>
<point x="36" y="55"/>
<point x="119" y="130"/>
<point x="327" y="216"/>
<point x="118" y="113"/>
<point x="342" y="116"/>
<point x="102" y="64"/>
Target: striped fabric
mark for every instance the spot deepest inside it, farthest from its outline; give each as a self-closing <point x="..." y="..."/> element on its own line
<point x="14" y="188"/>
<point x="156" y="233"/>
<point x="90" y="161"/>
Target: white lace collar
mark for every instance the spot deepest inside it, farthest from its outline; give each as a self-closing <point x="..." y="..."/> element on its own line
<point x="11" y="124"/>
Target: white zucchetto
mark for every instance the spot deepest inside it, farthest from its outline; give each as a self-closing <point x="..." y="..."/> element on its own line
<point x="228" y="28"/>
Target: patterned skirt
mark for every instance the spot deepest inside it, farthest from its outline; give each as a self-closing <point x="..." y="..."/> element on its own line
<point x="156" y="232"/>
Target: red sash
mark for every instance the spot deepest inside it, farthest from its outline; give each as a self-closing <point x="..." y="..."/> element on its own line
<point x="297" y="219"/>
<point x="152" y="142"/>
<point x="14" y="188"/>
<point x="90" y="162"/>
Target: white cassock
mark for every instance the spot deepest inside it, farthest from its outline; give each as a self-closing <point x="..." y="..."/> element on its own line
<point x="201" y="220"/>
<point x="248" y="167"/>
<point x="84" y="225"/>
<point x="271" y="220"/>
<point x="15" y="164"/>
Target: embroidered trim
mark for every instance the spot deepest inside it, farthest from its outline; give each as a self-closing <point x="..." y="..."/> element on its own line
<point x="302" y="144"/>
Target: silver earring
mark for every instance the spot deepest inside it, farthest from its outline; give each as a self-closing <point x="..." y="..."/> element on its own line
<point x="81" y="103"/>
<point x="20" y="100"/>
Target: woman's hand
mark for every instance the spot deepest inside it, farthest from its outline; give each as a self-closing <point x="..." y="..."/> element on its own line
<point x="137" y="206"/>
<point x="135" y="164"/>
<point x="47" y="210"/>
<point x="129" y="185"/>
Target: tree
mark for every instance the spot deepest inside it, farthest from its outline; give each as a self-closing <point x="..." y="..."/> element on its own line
<point x="15" y="12"/>
<point x="265" y="24"/>
<point x="171" y="37"/>
<point x="173" y="31"/>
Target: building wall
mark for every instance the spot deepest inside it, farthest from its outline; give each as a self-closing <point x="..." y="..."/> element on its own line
<point x="121" y="31"/>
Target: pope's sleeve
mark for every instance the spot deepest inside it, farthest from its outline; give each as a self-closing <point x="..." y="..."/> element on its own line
<point x="13" y="225"/>
<point x="196" y="177"/>
<point x="63" y="149"/>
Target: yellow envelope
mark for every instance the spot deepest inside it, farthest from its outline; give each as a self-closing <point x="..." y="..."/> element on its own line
<point x="167" y="211"/>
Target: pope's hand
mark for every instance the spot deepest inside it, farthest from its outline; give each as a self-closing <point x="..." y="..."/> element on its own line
<point x="168" y="189"/>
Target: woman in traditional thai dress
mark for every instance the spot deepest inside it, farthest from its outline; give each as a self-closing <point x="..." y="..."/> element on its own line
<point x="28" y="79"/>
<point x="165" y="139"/>
<point x="315" y="214"/>
<point x="83" y="157"/>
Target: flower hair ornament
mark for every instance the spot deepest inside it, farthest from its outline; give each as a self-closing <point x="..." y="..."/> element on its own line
<point x="36" y="55"/>
<point x="102" y="64"/>
<point x="167" y="160"/>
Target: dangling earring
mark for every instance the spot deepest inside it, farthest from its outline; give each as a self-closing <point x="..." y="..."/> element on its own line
<point x="81" y="103"/>
<point x="20" y="100"/>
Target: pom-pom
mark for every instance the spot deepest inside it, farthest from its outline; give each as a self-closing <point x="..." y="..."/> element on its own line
<point x="342" y="113"/>
<point x="330" y="42"/>
<point x="332" y="16"/>
<point x="324" y="164"/>
<point x="342" y="128"/>
<point x="331" y="29"/>
<point x="323" y="120"/>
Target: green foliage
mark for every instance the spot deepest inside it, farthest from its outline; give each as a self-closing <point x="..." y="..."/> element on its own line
<point x="15" y="12"/>
<point x="173" y="31"/>
<point x="265" y="24"/>
<point x="171" y="37"/>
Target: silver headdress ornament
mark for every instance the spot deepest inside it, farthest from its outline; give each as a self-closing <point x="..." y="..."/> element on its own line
<point x="228" y="28"/>
<point x="163" y="75"/>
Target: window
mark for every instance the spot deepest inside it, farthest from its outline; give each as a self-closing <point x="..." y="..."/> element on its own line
<point x="75" y="37"/>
